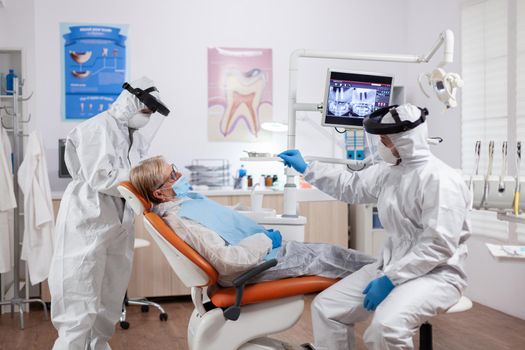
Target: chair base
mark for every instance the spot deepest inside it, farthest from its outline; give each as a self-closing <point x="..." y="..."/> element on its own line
<point x="144" y="307"/>
<point x="425" y="336"/>
<point x="213" y="331"/>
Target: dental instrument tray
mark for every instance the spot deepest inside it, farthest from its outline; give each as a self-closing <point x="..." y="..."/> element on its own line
<point x="259" y="154"/>
<point x="209" y="172"/>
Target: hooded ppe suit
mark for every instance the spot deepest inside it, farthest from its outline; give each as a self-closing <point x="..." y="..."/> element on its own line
<point x="93" y="255"/>
<point x="423" y="205"/>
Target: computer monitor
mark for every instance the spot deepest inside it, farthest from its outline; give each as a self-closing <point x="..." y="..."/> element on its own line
<point x="350" y="96"/>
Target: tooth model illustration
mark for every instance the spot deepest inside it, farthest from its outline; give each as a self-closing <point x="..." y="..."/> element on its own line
<point x="80" y="57"/>
<point x="81" y="74"/>
<point x="243" y="95"/>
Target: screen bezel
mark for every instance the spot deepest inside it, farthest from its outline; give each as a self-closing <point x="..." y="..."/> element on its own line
<point x="355" y="122"/>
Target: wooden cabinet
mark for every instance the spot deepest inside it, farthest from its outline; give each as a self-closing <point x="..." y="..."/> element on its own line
<point x="327" y="221"/>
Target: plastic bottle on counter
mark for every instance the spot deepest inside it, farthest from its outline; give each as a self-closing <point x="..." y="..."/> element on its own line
<point x="9" y="85"/>
<point x="262" y="181"/>
<point x="268" y="181"/>
<point x="242" y="171"/>
<point x="275" y="181"/>
<point x="250" y="181"/>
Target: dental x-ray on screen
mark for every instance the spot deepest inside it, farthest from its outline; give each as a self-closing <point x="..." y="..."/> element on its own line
<point x="350" y="96"/>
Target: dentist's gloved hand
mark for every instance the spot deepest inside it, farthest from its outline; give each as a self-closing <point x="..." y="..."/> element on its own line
<point x="376" y="292"/>
<point x="275" y="236"/>
<point x="293" y="158"/>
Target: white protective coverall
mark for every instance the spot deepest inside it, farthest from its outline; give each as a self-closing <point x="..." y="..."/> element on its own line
<point x="39" y="219"/>
<point x="423" y="205"/>
<point x="94" y="245"/>
<point x="7" y="203"/>
<point x="294" y="258"/>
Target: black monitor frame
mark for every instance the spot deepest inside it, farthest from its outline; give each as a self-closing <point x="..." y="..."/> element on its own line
<point x="368" y="77"/>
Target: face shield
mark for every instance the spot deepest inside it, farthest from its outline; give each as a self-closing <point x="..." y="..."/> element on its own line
<point x="148" y="98"/>
<point x="147" y="125"/>
<point x="371" y="148"/>
<point x="149" y="131"/>
<point x="387" y="121"/>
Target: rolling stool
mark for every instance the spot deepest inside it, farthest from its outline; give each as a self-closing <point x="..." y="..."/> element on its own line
<point x="143" y="302"/>
<point x="425" y="330"/>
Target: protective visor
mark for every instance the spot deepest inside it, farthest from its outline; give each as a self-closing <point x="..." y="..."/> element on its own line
<point x="372" y="123"/>
<point x="150" y="101"/>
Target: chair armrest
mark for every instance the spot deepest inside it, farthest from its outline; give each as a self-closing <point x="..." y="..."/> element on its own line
<point x="234" y="311"/>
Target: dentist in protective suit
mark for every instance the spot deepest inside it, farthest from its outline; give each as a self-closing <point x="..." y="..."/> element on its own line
<point x="93" y="254"/>
<point x="423" y="205"/>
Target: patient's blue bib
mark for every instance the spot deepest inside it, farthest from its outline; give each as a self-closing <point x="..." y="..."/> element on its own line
<point x="232" y="226"/>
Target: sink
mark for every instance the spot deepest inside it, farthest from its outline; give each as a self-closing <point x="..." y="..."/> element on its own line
<point x="256" y="215"/>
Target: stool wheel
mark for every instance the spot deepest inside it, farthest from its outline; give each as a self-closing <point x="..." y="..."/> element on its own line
<point x="124" y="324"/>
<point x="144" y="308"/>
<point x="163" y="316"/>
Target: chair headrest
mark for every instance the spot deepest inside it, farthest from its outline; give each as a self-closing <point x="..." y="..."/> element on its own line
<point x="138" y="203"/>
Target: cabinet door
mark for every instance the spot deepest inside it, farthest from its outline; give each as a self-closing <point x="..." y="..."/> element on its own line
<point x="152" y="275"/>
<point x="273" y="201"/>
<point x="327" y="222"/>
<point x="224" y="200"/>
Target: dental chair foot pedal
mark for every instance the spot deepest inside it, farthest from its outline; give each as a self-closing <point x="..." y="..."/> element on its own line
<point x="308" y="346"/>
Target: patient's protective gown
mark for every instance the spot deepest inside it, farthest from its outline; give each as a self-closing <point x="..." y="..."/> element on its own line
<point x="294" y="258"/>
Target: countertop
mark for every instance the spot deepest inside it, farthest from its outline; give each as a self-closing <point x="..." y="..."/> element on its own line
<point x="309" y="194"/>
<point x="208" y="193"/>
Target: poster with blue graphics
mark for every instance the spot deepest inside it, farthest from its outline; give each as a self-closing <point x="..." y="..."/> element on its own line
<point x="94" y="68"/>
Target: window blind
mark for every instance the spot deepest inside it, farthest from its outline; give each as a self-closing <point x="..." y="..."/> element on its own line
<point x="520" y="93"/>
<point x="484" y="96"/>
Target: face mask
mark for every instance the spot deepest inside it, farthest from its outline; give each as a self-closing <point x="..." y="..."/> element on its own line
<point x="386" y="154"/>
<point x="181" y="187"/>
<point x="139" y="120"/>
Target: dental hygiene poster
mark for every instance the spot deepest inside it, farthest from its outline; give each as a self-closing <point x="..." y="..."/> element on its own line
<point x="239" y="94"/>
<point x="94" y="67"/>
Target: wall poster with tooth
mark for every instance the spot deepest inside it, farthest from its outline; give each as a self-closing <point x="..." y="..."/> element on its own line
<point x="94" y="67"/>
<point x="239" y="94"/>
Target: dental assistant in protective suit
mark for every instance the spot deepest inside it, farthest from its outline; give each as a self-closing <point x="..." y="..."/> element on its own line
<point x="93" y="254"/>
<point x="423" y="205"/>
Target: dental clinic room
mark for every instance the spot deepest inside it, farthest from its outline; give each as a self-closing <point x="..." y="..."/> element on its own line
<point x="276" y="175"/>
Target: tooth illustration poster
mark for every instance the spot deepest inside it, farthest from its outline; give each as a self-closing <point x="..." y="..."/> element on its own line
<point x="239" y="94"/>
<point x="94" y="68"/>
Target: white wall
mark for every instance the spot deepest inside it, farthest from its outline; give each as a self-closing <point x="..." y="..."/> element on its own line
<point x="427" y="19"/>
<point x="170" y="46"/>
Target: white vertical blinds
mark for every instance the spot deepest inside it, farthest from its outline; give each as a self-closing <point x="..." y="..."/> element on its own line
<point x="484" y="95"/>
<point x="520" y="93"/>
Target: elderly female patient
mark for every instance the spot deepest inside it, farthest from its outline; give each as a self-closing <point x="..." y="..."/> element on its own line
<point x="231" y="242"/>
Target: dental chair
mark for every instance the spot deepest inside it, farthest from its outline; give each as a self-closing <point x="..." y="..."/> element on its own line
<point x="233" y="318"/>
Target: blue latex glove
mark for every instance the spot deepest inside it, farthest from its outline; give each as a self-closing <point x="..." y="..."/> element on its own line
<point x="293" y="158"/>
<point x="376" y="292"/>
<point x="275" y="236"/>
